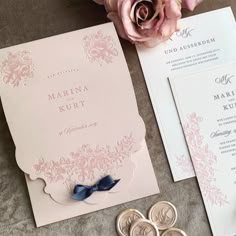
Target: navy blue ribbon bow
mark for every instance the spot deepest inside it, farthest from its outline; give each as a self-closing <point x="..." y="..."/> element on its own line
<point x="82" y="192"/>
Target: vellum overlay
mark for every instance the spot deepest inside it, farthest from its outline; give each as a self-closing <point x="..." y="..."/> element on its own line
<point x="72" y="119"/>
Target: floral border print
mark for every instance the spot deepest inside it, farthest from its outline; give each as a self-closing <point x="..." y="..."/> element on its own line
<point x="86" y="163"/>
<point x="204" y="161"/>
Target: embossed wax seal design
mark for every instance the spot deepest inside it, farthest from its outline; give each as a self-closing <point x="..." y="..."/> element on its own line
<point x="163" y="214"/>
<point x="143" y="227"/>
<point x="125" y="219"/>
<point x="174" y="232"/>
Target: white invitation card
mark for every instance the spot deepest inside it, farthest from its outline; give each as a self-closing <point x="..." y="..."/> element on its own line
<point x="206" y="102"/>
<point x="204" y="40"/>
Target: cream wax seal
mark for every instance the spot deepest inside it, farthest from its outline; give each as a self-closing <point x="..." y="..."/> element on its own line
<point x="125" y="219"/>
<point x="174" y="232"/>
<point x="143" y="227"/>
<point x="163" y="214"/>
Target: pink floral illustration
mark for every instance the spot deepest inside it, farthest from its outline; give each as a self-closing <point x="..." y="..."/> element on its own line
<point x="100" y="48"/>
<point x="204" y="161"/>
<point x="184" y="164"/>
<point x="17" y="68"/>
<point x="86" y="163"/>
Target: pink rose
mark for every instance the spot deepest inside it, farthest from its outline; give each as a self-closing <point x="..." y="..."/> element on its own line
<point x="146" y="22"/>
<point x="190" y="4"/>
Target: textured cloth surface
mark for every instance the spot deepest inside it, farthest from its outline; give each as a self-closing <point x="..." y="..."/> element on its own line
<point x="26" y="20"/>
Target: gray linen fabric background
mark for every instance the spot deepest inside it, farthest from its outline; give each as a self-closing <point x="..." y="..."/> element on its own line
<point x="26" y="20"/>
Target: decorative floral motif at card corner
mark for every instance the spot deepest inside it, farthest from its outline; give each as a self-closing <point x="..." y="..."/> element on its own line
<point x="17" y="68"/>
<point x="204" y="161"/>
<point x="100" y="48"/>
<point x="85" y="163"/>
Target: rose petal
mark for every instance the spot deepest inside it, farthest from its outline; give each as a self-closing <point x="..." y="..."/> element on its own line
<point x="172" y="9"/>
<point x="191" y="4"/>
<point x="113" y="16"/>
<point x="154" y="24"/>
<point x="129" y="27"/>
<point x="168" y="27"/>
<point x="142" y="13"/>
<point x="158" y="5"/>
<point x="110" y="5"/>
<point x="132" y="12"/>
<point x="179" y="2"/>
<point x="121" y="2"/>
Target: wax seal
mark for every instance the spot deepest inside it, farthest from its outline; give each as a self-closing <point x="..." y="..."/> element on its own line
<point x="143" y="227"/>
<point x="163" y="214"/>
<point x="125" y="219"/>
<point x="174" y="232"/>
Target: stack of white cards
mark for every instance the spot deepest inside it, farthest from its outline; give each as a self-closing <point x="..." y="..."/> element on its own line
<point x="196" y="66"/>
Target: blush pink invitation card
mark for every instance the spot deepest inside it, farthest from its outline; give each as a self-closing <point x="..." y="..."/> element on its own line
<point x="74" y="120"/>
<point x="206" y="102"/>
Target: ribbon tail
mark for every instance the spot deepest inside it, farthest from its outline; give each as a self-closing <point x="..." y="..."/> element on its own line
<point x="113" y="184"/>
<point x="107" y="183"/>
